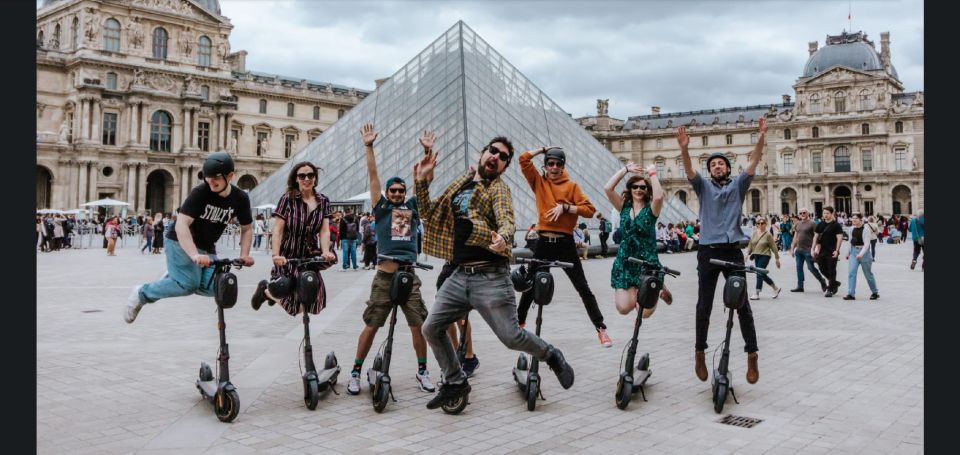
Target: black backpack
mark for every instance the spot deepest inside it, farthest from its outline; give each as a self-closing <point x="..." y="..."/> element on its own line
<point x="618" y="235"/>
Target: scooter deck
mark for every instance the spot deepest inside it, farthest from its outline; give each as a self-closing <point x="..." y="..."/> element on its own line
<point x="207" y="388"/>
<point x="640" y="379"/>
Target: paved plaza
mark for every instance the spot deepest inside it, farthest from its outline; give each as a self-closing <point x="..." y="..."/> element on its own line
<point x="835" y="376"/>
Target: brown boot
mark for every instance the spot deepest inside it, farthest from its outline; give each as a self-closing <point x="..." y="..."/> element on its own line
<point x="701" y="367"/>
<point x="753" y="371"/>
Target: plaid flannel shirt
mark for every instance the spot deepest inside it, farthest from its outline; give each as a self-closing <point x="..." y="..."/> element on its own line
<point x="491" y="210"/>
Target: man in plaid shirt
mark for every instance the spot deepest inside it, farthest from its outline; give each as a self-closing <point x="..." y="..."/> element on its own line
<point x="469" y="224"/>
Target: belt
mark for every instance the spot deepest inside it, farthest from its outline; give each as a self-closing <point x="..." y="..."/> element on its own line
<point x="485" y="268"/>
<point x="723" y="246"/>
<point x="553" y="237"/>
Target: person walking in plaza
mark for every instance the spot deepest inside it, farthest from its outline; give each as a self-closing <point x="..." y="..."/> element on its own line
<point x="158" y="232"/>
<point x="917" y="229"/>
<point x="369" y="231"/>
<point x="904" y="227"/>
<point x="258" y="230"/>
<point x="759" y="249"/>
<point x="860" y="257"/>
<point x="801" y="249"/>
<point x="786" y="233"/>
<point x="469" y="224"/>
<point x="301" y="229"/>
<point x="827" y="239"/>
<point x="639" y="206"/>
<point x="191" y="245"/>
<point x="111" y="231"/>
<point x="875" y="227"/>
<point x="395" y="220"/>
<point x="349" y="234"/>
<point x="605" y="229"/>
<point x="721" y="198"/>
<point x="560" y="202"/>
<point x="147" y="232"/>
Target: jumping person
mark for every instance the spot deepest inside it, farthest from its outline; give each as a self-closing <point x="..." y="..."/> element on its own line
<point x="469" y="224"/>
<point x="191" y="245"/>
<point x="720" y="236"/>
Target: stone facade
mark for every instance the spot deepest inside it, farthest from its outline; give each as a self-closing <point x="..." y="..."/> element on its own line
<point x="132" y="95"/>
<point x="853" y="139"/>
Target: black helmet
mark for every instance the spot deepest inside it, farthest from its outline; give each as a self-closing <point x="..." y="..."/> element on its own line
<point x="557" y="154"/>
<point x="522" y="281"/>
<point x="217" y="163"/>
<point x="721" y="156"/>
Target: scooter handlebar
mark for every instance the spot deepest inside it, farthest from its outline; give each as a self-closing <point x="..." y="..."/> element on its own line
<point x="384" y="257"/>
<point x="542" y="263"/>
<point x="238" y="263"/>
<point x="651" y="265"/>
<point x="307" y="260"/>
<point x="739" y="267"/>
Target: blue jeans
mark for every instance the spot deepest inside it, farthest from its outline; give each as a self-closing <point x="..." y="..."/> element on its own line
<point x="349" y="253"/>
<point x="804" y="256"/>
<point x="762" y="260"/>
<point x="257" y="239"/>
<point x="866" y="263"/>
<point x="183" y="276"/>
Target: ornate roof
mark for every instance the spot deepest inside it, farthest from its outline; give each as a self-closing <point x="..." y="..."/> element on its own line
<point x="851" y="50"/>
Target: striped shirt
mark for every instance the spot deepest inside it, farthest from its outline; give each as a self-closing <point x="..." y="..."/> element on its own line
<point x="491" y="210"/>
<point x="301" y="232"/>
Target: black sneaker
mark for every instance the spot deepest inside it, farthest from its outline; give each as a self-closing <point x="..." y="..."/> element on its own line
<point x="448" y="393"/>
<point x="828" y="294"/>
<point x="259" y="296"/>
<point x="849" y="297"/>
<point x="470" y="365"/>
<point x="798" y="289"/>
<point x="874" y="296"/>
<point x="913" y="264"/>
<point x="560" y="366"/>
<point x="823" y="286"/>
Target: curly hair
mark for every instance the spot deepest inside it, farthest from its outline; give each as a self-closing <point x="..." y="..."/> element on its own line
<point x="648" y="194"/>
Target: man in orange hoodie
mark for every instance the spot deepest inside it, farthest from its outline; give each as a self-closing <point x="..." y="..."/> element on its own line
<point x="560" y="203"/>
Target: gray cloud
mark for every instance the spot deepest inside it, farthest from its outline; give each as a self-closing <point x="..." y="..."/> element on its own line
<point x="680" y="55"/>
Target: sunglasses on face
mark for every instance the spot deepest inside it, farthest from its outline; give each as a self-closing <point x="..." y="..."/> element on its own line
<point x="397" y="190"/>
<point x="504" y="156"/>
<point x="554" y="164"/>
<point x="638" y="187"/>
<point x="310" y="175"/>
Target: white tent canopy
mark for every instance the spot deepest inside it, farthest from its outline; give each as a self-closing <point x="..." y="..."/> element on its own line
<point x="266" y="206"/>
<point x="364" y="196"/>
<point x="104" y="203"/>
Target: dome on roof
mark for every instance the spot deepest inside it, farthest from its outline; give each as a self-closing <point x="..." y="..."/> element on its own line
<point x="212" y="6"/>
<point x="851" y="51"/>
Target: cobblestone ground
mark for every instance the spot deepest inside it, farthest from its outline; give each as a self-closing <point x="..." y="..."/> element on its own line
<point x="835" y="376"/>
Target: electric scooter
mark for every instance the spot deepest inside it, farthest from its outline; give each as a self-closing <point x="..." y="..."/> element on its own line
<point x="647" y="294"/>
<point x="316" y="385"/>
<point x="378" y="375"/>
<point x="734" y="296"/>
<point x="527" y="373"/>
<point x="220" y="391"/>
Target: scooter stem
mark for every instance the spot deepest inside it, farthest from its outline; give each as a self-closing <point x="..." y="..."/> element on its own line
<point x="725" y="357"/>
<point x="307" y="348"/>
<point x="388" y="349"/>
<point x="224" y="358"/>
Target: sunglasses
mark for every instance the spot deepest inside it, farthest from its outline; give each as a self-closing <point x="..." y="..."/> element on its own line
<point x="311" y="176"/>
<point x="504" y="156"/>
<point x="397" y="190"/>
<point x="638" y="187"/>
<point x="554" y="164"/>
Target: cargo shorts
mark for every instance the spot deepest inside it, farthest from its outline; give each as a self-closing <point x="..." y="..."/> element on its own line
<point x="379" y="305"/>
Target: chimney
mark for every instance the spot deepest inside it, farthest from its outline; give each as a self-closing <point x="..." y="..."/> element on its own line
<point x="885" y="49"/>
<point x="655" y="110"/>
<point x="786" y="99"/>
<point x="812" y="47"/>
<point x="380" y="82"/>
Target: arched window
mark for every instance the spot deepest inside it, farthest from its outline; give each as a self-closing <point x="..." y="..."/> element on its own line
<point x="205" y="92"/>
<point x="340" y="113"/>
<point x="816" y="132"/>
<point x="815" y="104"/>
<point x="841" y="159"/>
<point x="40" y="39"/>
<point x="75" y="33"/>
<point x="160" y="38"/>
<point x="839" y="102"/>
<point x="864" y="129"/>
<point x="160" y="127"/>
<point x="316" y="112"/>
<point x="787" y="163"/>
<point x="112" y="81"/>
<point x="898" y="127"/>
<point x="204" y="50"/>
<point x="111" y="35"/>
<point x="682" y="195"/>
<point x="787" y="134"/>
<point x="55" y="44"/>
<point x="290" y="109"/>
<point x="263" y="106"/>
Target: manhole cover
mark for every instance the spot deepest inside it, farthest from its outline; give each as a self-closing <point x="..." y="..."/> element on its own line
<point x="91" y="311"/>
<point x="740" y="421"/>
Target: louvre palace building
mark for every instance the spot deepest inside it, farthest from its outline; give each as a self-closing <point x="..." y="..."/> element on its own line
<point x="133" y="94"/>
<point x="850" y="137"/>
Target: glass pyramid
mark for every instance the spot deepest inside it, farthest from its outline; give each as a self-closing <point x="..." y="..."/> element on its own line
<point x="466" y="93"/>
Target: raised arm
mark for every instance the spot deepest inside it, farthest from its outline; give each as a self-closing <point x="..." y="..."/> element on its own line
<point x="369" y="135"/>
<point x="656" y="202"/>
<point x="758" y="150"/>
<point x="423" y="174"/>
<point x="684" y="142"/>
<point x="610" y="189"/>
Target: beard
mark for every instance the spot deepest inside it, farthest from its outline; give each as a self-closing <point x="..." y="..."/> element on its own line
<point x="486" y="172"/>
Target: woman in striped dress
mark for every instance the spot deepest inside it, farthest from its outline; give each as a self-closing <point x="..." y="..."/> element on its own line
<point x="301" y="228"/>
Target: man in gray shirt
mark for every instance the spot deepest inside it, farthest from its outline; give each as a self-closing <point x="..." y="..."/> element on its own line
<point x="800" y="249"/>
<point x="721" y="199"/>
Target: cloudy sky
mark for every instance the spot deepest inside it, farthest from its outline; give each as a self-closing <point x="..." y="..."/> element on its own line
<point x="679" y="55"/>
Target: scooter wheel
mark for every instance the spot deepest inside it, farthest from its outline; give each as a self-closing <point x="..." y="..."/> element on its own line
<point x="456" y="406"/>
<point x="311" y="394"/>
<point x="624" y="392"/>
<point x="533" y="391"/>
<point x="381" y="393"/>
<point x="644" y="362"/>
<point x="719" y="398"/>
<point x="227" y="405"/>
<point x="206" y="374"/>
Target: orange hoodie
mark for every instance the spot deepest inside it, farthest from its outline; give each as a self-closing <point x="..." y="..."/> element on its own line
<point x="551" y="192"/>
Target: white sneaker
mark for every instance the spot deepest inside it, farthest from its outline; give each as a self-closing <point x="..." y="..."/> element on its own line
<point x="133" y="306"/>
<point x="423" y="380"/>
<point x="353" y="387"/>
<point x="755" y="296"/>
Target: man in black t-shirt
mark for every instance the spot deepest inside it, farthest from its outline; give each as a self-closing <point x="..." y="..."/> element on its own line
<point x="826" y="249"/>
<point x="190" y="245"/>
